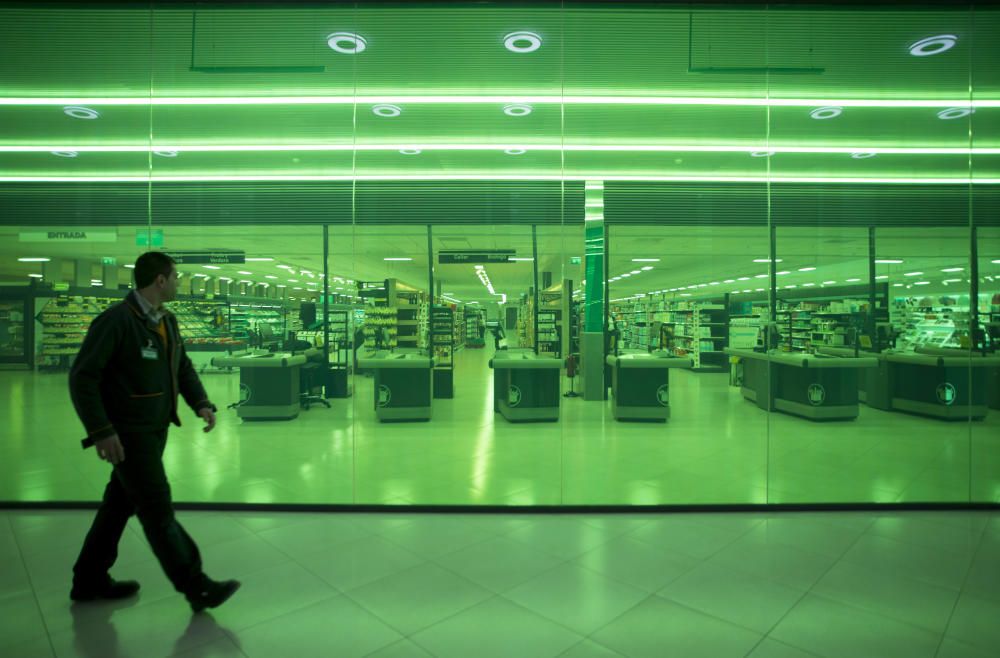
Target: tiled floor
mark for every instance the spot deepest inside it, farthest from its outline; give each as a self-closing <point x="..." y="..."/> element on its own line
<point x="716" y="448"/>
<point x="852" y="584"/>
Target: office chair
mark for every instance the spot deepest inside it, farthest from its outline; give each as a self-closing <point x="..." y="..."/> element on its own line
<point x="307" y="373"/>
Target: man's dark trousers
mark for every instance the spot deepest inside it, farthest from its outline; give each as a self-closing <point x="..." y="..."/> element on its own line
<point x="139" y="486"/>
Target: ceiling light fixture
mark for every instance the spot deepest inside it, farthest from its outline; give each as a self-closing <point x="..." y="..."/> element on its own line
<point x="645" y="260"/>
<point x="912" y="273"/>
<point x="260" y="260"/>
<point x="889" y="261"/>
<point x="211" y="267"/>
<point x="410" y="151"/>
<point x="398" y="259"/>
<point x="863" y="155"/>
<point x="828" y="283"/>
<point x="766" y="260"/>
<point x="522" y="42"/>
<point x="514" y="151"/>
<point x="517" y="109"/>
<point x="806" y="269"/>
<point x="80" y="112"/>
<point x="244" y="272"/>
<point x="953" y="269"/>
<point x="65" y="154"/>
<point x="347" y="43"/>
<point x="646" y="268"/>
<point x="636" y="272"/>
<point x="33" y="260"/>
<point x="855" y="280"/>
<point x="387" y="110"/>
<point x="921" y="283"/>
<point x="35" y="276"/>
<point x="782" y="272"/>
<point x="933" y="45"/>
<point x="955" y="113"/>
<point x="166" y="154"/>
<point x="881" y="277"/>
<point x="828" y="112"/>
<point x="761" y="154"/>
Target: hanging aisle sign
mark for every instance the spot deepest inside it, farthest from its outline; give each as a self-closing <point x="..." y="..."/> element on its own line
<point x="481" y="256"/>
<point x="69" y="235"/>
<point x="208" y="257"/>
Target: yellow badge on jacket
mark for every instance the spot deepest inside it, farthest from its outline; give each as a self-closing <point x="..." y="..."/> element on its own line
<point x="150" y="351"/>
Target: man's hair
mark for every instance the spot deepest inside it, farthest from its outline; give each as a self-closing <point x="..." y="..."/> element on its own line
<point x="151" y="265"/>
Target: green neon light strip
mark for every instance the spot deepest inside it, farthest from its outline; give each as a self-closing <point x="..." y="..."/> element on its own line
<point x="489" y="177"/>
<point x="490" y="100"/>
<point x="637" y="148"/>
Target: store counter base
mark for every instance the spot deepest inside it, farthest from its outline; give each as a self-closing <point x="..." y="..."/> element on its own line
<point x="640" y="384"/>
<point x="269" y="384"/>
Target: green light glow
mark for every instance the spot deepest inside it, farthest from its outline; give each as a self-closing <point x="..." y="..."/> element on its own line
<point x="499" y="177"/>
<point x="628" y="148"/>
<point x="490" y="100"/>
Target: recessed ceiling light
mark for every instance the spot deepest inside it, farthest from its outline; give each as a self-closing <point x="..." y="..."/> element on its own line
<point x="410" y="151"/>
<point x="888" y="261"/>
<point x="387" y="110"/>
<point x="33" y="260"/>
<point x="829" y="112"/>
<point x="636" y="271"/>
<point x="806" y="285"/>
<point x="806" y="269"/>
<point x="933" y="45"/>
<point x="766" y="260"/>
<point x="166" y="154"/>
<point x="855" y="280"/>
<point x="713" y="283"/>
<point x="761" y="154"/>
<point x="522" y="42"/>
<point x="645" y="260"/>
<point x="828" y="283"/>
<point x="952" y="281"/>
<point x="791" y="285"/>
<point x="211" y="267"/>
<point x="65" y="154"/>
<point x="912" y="273"/>
<point x="921" y="283"/>
<point x="953" y="269"/>
<point x="646" y="268"/>
<point x="625" y="276"/>
<point x="882" y="276"/>
<point x="347" y="43"/>
<point x="517" y="109"/>
<point x="761" y="276"/>
<point x="782" y="272"/>
<point x="80" y="112"/>
<point x="514" y="151"/>
<point x="35" y="276"/>
<point x="955" y="113"/>
<point x="244" y="272"/>
<point x="863" y="155"/>
<point x="398" y="259"/>
<point x="729" y="281"/>
<point x="262" y="260"/>
<point x="270" y="276"/>
<point x="743" y="278"/>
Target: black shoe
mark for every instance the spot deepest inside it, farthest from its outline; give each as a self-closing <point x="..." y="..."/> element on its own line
<point x="211" y="594"/>
<point x="111" y="589"/>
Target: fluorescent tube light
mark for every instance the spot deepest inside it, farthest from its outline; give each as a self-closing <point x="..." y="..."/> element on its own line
<point x="806" y="269"/>
<point x="34" y="260"/>
<point x="953" y="269"/>
<point x="912" y="273"/>
<point x="398" y="259"/>
<point x="645" y="260"/>
<point x="260" y="260"/>
<point x="888" y="261"/>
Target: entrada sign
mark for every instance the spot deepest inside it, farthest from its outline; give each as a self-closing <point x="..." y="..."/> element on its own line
<point x="69" y="235"/>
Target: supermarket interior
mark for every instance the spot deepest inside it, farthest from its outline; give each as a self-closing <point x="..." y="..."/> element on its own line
<point x="517" y="254"/>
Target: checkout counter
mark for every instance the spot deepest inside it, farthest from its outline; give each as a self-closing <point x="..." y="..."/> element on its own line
<point x="817" y="387"/>
<point x="930" y="381"/>
<point x="403" y="385"/>
<point x="526" y="386"/>
<point x="640" y="383"/>
<point x="269" y="383"/>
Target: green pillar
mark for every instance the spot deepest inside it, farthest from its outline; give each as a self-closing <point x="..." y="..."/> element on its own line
<point x="592" y="340"/>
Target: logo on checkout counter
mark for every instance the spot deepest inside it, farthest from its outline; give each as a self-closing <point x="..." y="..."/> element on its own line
<point x="661" y="395"/>
<point x="246" y="393"/>
<point x="816" y="394"/>
<point x="513" y="396"/>
<point x="946" y="393"/>
<point x="384" y="395"/>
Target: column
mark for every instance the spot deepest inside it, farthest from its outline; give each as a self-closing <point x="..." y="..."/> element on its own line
<point x="592" y="341"/>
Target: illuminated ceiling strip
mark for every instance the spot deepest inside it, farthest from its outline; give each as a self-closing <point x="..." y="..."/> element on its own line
<point x="652" y="148"/>
<point x="487" y="99"/>
<point x="496" y="177"/>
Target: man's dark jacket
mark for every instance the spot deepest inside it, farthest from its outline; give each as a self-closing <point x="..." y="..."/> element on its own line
<point x="117" y="388"/>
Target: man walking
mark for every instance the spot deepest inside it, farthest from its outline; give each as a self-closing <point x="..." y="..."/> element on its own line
<point x="124" y="385"/>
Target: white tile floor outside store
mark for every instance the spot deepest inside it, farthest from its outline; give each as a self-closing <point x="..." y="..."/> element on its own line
<point x="905" y="584"/>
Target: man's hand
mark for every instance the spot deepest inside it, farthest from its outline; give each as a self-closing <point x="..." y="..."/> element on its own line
<point x="209" y="416"/>
<point x="110" y="449"/>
